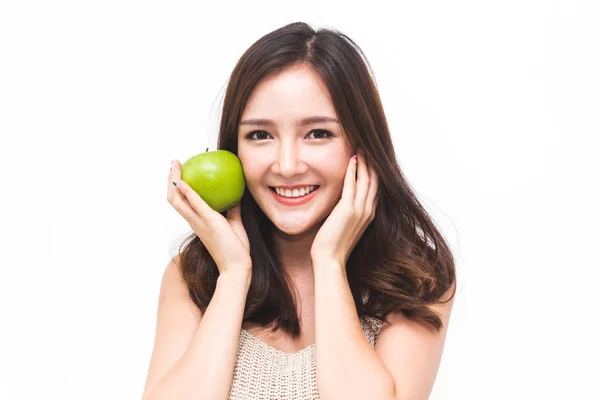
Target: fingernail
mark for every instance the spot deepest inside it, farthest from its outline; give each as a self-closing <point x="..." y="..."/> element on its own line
<point x="174" y="182"/>
<point x="354" y="159"/>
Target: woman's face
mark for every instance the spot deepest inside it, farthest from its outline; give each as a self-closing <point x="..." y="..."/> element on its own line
<point x="287" y="152"/>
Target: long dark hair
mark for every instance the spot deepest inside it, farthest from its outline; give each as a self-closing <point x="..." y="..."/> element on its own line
<point x="401" y="263"/>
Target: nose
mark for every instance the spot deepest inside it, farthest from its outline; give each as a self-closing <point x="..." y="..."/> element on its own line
<point x="288" y="162"/>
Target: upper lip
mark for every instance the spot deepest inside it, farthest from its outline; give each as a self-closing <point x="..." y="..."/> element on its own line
<point x="292" y="187"/>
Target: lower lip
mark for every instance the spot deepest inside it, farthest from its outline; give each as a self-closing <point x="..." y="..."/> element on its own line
<point x="294" y="201"/>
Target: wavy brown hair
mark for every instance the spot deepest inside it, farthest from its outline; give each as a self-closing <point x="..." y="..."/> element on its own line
<point x="401" y="263"/>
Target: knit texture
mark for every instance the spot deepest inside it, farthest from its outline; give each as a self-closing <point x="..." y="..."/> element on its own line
<point x="262" y="372"/>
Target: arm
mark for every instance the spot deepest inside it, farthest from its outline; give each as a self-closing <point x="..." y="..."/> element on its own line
<point x="347" y="365"/>
<point x="412" y="352"/>
<point x="406" y="358"/>
<point x="194" y="357"/>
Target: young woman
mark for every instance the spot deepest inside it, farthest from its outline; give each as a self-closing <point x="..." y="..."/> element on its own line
<point x="328" y="280"/>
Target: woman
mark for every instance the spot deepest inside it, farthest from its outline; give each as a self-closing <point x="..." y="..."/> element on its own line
<point x="328" y="280"/>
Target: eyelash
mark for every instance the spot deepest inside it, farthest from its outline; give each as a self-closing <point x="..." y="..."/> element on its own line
<point x="327" y="133"/>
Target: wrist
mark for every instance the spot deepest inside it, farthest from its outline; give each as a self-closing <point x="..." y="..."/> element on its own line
<point x="326" y="260"/>
<point x="242" y="278"/>
<point x="329" y="265"/>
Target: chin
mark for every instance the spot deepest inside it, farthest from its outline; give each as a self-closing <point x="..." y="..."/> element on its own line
<point x="304" y="226"/>
<point x="292" y="228"/>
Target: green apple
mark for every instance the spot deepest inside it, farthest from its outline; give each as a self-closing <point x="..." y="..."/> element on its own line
<point x="217" y="176"/>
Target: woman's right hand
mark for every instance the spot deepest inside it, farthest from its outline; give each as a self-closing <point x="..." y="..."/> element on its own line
<point x="225" y="238"/>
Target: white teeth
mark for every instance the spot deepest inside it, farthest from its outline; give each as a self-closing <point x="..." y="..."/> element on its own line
<point x="296" y="192"/>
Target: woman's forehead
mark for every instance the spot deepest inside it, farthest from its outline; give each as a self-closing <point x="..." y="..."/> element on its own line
<point x="292" y="94"/>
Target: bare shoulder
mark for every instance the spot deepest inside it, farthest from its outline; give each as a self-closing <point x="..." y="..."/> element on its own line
<point x="412" y="350"/>
<point x="176" y="323"/>
<point x="443" y="308"/>
<point x="173" y="290"/>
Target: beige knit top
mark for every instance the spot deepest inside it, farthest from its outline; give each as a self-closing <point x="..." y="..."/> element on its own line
<point x="262" y="372"/>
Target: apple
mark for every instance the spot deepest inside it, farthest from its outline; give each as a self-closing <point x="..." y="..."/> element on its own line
<point x="217" y="176"/>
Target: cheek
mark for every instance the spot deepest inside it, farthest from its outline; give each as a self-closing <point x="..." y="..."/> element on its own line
<point x="334" y="167"/>
<point x="336" y="173"/>
<point x="251" y="172"/>
<point x="254" y="169"/>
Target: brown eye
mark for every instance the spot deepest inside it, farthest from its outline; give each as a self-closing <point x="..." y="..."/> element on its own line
<point x="321" y="133"/>
<point x="261" y="133"/>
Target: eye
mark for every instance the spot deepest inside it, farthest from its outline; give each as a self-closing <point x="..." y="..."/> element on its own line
<point x="251" y="134"/>
<point x="319" y="132"/>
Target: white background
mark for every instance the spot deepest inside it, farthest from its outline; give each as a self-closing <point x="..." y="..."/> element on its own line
<point x="494" y="110"/>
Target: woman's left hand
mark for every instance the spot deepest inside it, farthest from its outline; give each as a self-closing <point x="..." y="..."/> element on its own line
<point x="354" y="212"/>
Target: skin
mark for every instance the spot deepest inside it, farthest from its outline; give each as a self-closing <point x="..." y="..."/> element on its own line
<point x="316" y="238"/>
<point x="288" y="154"/>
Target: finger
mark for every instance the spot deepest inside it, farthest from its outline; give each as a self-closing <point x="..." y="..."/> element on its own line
<point x="172" y="193"/>
<point x="373" y="196"/>
<point x="349" y="182"/>
<point x="362" y="184"/>
<point x="199" y="205"/>
<point x="176" y="198"/>
<point x="170" y="188"/>
<point x="174" y="174"/>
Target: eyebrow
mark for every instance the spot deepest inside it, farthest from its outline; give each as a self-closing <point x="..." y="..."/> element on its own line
<point x="303" y="122"/>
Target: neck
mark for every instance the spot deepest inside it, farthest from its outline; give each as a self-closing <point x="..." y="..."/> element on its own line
<point x="294" y="251"/>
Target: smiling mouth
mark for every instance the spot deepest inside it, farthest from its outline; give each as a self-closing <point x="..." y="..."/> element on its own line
<point x="294" y="197"/>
